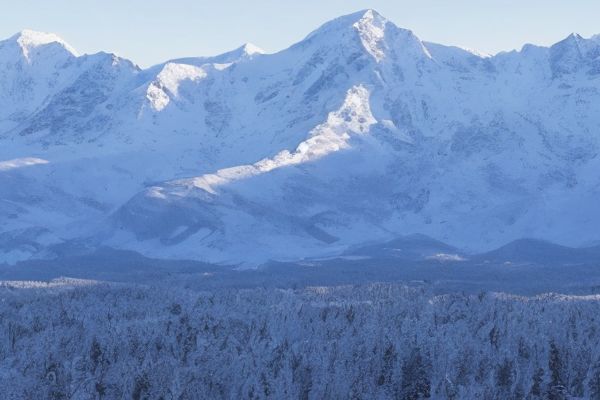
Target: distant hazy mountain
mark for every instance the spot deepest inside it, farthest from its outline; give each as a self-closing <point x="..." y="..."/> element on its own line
<point x="360" y="133"/>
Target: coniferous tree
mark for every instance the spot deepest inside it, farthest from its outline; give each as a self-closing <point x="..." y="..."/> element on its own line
<point x="555" y="365"/>
<point x="537" y="386"/>
<point x="594" y="382"/>
<point x="416" y="383"/>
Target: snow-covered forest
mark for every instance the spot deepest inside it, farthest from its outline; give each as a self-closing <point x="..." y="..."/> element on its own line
<point x="361" y="215"/>
<point x="86" y="340"/>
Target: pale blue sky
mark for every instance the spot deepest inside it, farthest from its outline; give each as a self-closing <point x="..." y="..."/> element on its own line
<point x="150" y="31"/>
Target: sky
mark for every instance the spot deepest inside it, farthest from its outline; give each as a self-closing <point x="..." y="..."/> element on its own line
<point x="151" y="31"/>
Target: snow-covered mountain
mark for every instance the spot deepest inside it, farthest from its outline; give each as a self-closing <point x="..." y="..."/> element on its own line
<point x="359" y="133"/>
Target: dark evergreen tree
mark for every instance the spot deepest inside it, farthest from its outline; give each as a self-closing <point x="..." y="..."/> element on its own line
<point x="505" y="375"/>
<point x="416" y="383"/>
<point x="555" y="365"/>
<point x="594" y="382"/>
<point x="537" y="386"/>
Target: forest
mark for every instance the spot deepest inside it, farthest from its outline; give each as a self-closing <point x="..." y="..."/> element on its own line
<point x="76" y="339"/>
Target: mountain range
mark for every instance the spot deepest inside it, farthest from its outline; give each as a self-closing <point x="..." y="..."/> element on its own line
<point x="361" y="133"/>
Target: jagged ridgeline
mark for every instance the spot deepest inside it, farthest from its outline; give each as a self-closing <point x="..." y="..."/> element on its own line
<point x="82" y="340"/>
<point x="359" y="133"/>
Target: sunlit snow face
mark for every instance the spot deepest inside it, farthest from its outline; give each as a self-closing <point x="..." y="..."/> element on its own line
<point x="20" y="163"/>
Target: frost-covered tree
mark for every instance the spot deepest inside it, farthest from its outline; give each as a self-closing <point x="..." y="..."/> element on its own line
<point x="379" y="341"/>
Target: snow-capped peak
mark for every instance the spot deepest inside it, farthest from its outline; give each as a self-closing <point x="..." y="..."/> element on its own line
<point x="573" y="40"/>
<point x="376" y="35"/>
<point x="251" y="49"/>
<point x="571" y="53"/>
<point x="363" y="18"/>
<point x="371" y="16"/>
<point x="246" y="51"/>
<point x="371" y="29"/>
<point x="368" y="15"/>
<point x="28" y="40"/>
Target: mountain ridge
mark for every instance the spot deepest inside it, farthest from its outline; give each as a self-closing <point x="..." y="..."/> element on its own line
<point x="361" y="132"/>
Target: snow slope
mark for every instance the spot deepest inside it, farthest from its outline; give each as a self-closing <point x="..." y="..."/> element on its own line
<point x="359" y="133"/>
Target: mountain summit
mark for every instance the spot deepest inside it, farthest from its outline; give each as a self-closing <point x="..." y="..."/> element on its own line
<point x="30" y="41"/>
<point x="374" y="32"/>
<point x="359" y="133"/>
